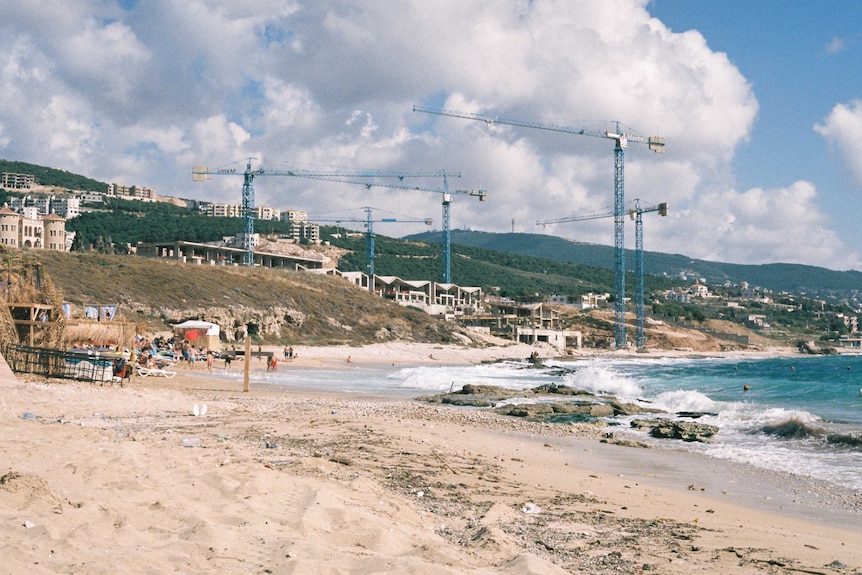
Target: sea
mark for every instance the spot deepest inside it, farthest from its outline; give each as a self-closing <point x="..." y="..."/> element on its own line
<point x="800" y="414"/>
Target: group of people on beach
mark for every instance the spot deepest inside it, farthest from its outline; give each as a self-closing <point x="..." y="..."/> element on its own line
<point x="161" y="352"/>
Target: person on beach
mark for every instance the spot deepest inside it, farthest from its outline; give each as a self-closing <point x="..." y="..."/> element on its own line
<point x="227" y="359"/>
<point x="209" y="361"/>
<point x="133" y="362"/>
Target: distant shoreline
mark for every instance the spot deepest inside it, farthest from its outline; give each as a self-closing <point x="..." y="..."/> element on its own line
<point x="402" y="353"/>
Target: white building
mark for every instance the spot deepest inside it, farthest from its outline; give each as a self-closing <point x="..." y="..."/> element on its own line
<point x="294" y="216"/>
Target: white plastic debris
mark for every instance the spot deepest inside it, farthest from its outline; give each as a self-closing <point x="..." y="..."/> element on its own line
<point x="531" y="508"/>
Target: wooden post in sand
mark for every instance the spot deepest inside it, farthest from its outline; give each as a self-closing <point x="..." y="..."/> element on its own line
<point x="247" y="363"/>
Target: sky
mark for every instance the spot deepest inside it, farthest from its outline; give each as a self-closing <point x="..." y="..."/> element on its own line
<point x="760" y="104"/>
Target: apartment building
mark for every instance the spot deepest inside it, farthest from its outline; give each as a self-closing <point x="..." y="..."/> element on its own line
<point x="294" y="216"/>
<point x="67" y="208"/>
<point x="13" y="181"/>
<point x="136" y="192"/>
<point x="224" y="210"/>
<point x="267" y="213"/>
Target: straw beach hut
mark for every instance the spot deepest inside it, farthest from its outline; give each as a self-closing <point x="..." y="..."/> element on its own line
<point x="119" y="334"/>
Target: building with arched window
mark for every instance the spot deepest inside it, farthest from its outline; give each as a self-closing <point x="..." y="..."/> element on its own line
<point x="32" y="231"/>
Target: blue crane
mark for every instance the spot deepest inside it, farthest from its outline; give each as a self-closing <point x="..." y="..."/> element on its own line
<point x="447" y="207"/>
<point x="203" y="173"/>
<point x="369" y="232"/>
<point x="636" y="214"/>
<point x="621" y="140"/>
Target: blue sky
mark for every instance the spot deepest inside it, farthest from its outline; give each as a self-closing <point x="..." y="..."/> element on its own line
<point x="801" y="59"/>
<point x="760" y="104"/>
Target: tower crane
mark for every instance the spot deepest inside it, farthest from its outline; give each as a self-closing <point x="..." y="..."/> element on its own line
<point x="369" y="231"/>
<point x="447" y="207"/>
<point x="203" y="173"/>
<point x="621" y="140"/>
<point x="636" y="213"/>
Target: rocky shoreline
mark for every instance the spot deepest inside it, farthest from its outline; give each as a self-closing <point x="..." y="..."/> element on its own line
<point x="560" y="404"/>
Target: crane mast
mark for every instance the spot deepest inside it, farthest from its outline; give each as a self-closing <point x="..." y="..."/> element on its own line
<point x="447" y="207"/>
<point x="636" y="214"/>
<point x="619" y="245"/>
<point x="248" y="216"/>
<point x="621" y="141"/>
<point x="369" y="233"/>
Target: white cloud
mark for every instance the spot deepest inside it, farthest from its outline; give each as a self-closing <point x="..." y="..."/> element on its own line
<point x="836" y="45"/>
<point x="754" y="226"/>
<point x="843" y="128"/>
<point x="145" y="94"/>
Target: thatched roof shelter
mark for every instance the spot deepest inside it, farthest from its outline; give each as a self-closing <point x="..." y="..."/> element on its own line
<point x="101" y="334"/>
<point x="32" y="312"/>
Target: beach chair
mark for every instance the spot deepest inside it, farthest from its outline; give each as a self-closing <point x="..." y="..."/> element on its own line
<point x="155" y="372"/>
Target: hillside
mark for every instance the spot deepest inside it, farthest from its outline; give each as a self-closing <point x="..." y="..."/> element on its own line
<point x="272" y="306"/>
<point x="283" y="307"/>
<point x="45" y="176"/>
<point x="778" y="277"/>
<point x="120" y="223"/>
<point x="418" y="256"/>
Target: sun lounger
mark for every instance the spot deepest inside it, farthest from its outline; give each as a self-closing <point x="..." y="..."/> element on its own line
<point x="145" y="371"/>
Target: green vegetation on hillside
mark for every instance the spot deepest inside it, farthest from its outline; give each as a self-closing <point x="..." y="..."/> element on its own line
<point x="121" y="223"/>
<point x="513" y="275"/>
<point x="53" y="177"/>
<point x="777" y="277"/>
<point x="118" y="223"/>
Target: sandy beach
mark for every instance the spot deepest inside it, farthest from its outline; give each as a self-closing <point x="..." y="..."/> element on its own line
<point x="127" y="479"/>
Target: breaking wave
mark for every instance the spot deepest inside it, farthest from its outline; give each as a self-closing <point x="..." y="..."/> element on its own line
<point x="796" y="428"/>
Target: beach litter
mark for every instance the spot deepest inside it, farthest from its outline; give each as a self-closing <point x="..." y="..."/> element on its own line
<point x="531" y="509"/>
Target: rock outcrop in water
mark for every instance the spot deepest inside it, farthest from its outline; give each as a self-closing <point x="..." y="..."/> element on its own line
<point x="671" y="429"/>
<point x="539" y="403"/>
<point x="558" y="403"/>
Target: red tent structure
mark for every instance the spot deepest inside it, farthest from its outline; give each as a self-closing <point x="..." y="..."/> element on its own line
<point x="199" y="333"/>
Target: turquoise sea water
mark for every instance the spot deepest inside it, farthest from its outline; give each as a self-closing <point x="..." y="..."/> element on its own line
<point x="801" y="415"/>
